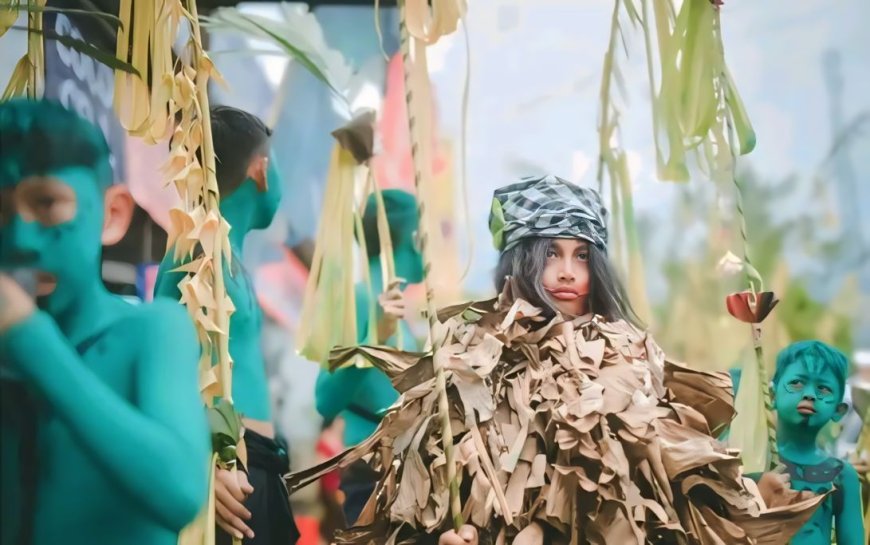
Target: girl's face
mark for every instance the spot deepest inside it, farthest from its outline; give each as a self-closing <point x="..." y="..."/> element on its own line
<point x="566" y="275"/>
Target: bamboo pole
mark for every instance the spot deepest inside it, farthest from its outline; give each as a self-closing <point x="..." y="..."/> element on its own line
<point x="763" y="378"/>
<point x="414" y="59"/>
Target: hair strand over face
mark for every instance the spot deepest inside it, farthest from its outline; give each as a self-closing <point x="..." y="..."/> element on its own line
<point x="525" y="264"/>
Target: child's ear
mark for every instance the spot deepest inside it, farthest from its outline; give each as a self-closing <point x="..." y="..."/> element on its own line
<point x="257" y="171"/>
<point x="842" y="409"/>
<point x="117" y="213"/>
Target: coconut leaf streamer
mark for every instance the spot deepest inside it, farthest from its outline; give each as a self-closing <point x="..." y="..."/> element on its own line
<point x="358" y="137"/>
<point x="694" y="94"/>
<point x="329" y="308"/>
<point x="697" y="112"/>
<point x="197" y="233"/>
<point x="700" y="111"/>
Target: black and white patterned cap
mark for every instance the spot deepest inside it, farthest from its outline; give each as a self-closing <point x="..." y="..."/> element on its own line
<point x="547" y="207"/>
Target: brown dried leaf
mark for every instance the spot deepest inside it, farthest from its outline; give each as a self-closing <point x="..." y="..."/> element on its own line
<point x="358" y="136"/>
<point x="709" y="393"/>
<point x="532" y="534"/>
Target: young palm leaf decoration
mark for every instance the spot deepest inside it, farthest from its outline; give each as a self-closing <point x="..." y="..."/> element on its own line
<point x="613" y="166"/>
<point x="28" y="76"/>
<point x="329" y="309"/>
<point x="329" y="295"/>
<point x="169" y="97"/>
<point x="697" y="114"/>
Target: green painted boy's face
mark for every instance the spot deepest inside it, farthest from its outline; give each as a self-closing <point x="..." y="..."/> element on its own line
<point x="53" y="224"/>
<point x="260" y="194"/>
<point x="809" y="395"/>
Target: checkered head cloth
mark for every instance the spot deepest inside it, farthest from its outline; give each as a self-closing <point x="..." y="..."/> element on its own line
<point x="547" y="207"/>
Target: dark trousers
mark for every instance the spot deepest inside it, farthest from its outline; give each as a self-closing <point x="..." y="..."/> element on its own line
<point x="358" y="483"/>
<point x="271" y="516"/>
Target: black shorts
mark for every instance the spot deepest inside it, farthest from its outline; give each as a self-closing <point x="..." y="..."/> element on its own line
<point x="358" y="483"/>
<point x="271" y="516"/>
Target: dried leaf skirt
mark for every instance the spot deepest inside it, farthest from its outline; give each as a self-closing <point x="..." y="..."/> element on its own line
<point x="566" y="432"/>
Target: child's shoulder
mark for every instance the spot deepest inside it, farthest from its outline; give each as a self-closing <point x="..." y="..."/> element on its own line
<point x="847" y="470"/>
<point x="163" y="317"/>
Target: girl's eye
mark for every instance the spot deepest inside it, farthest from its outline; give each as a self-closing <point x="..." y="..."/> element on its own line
<point x="583" y="256"/>
<point x="44" y="203"/>
<point x="551" y="253"/>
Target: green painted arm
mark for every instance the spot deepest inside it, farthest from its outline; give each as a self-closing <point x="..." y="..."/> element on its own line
<point x="156" y="451"/>
<point x="849" y="523"/>
<point x="334" y="391"/>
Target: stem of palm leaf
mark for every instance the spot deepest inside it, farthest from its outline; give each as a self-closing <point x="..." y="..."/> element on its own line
<point x="418" y="158"/>
<point x="763" y="379"/>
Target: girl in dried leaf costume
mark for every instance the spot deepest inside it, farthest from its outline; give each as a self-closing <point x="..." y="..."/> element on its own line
<point x="571" y="425"/>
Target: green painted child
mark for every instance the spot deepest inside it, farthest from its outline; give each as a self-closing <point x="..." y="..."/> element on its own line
<point x="808" y="389"/>
<point x="107" y="441"/>
<point x="360" y="395"/>
<point x="252" y="504"/>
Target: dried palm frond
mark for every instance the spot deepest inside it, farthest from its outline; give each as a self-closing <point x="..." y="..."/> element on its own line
<point x="861" y="456"/>
<point x="581" y="430"/>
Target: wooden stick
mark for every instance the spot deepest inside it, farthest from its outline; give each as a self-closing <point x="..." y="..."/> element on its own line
<point x="421" y="180"/>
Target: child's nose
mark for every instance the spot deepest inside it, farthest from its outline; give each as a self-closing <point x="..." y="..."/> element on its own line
<point x="20" y="242"/>
<point x="567" y="271"/>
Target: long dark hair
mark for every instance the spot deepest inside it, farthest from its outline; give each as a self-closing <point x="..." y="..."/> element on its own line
<point x="525" y="264"/>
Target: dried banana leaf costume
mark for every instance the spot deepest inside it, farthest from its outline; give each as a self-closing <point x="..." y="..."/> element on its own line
<point x="567" y="431"/>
